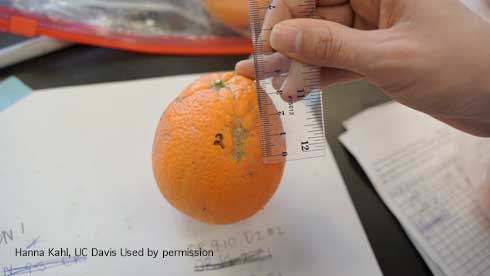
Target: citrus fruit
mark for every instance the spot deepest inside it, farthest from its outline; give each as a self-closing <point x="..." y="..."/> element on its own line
<point x="234" y="14"/>
<point x="207" y="157"/>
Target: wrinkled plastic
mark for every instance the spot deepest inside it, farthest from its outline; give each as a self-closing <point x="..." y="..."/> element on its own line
<point x="157" y="26"/>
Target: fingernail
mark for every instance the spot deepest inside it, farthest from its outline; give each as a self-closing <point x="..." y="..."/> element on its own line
<point x="286" y="38"/>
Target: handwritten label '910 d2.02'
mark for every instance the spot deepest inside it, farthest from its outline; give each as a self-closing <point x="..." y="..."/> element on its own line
<point x="227" y="248"/>
<point x="249" y="237"/>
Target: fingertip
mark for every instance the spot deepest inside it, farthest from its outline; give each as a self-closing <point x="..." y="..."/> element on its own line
<point x="277" y="82"/>
<point x="239" y="66"/>
<point x="245" y="68"/>
<point x="290" y="86"/>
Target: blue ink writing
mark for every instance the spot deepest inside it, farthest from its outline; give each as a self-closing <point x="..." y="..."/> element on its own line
<point x="33" y="243"/>
<point x="42" y="266"/>
<point x="8" y="235"/>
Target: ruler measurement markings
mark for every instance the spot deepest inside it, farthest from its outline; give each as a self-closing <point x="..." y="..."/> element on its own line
<point x="314" y="144"/>
<point x="314" y="108"/>
<point x="297" y="121"/>
<point x="316" y="114"/>
<point x="317" y="127"/>
<point x="313" y="103"/>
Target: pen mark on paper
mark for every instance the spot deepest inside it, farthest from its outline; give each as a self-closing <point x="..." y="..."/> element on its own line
<point x="8" y="235"/>
<point x="42" y="266"/>
<point x="245" y="258"/>
<point x="411" y="157"/>
<point x="34" y="242"/>
<point x="425" y="226"/>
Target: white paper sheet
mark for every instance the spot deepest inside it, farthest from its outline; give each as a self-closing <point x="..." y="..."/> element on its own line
<point x="413" y="163"/>
<point x="75" y="172"/>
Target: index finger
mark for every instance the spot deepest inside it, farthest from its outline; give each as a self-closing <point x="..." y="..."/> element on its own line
<point x="275" y="11"/>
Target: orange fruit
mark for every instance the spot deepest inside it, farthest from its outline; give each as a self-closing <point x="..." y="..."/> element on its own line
<point x="207" y="157"/>
<point x="234" y="14"/>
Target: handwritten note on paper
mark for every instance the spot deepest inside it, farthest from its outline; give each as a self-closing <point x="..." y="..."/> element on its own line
<point x="75" y="163"/>
<point x="8" y="235"/>
<point x="17" y="235"/>
<point x="415" y="168"/>
<point x="474" y="157"/>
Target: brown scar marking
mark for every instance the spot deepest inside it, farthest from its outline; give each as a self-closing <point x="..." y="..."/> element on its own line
<point x="239" y="136"/>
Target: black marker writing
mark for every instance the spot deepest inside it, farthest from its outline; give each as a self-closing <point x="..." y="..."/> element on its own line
<point x="245" y="258"/>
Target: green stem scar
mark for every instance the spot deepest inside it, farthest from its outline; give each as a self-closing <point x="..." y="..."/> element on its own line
<point x="218" y="84"/>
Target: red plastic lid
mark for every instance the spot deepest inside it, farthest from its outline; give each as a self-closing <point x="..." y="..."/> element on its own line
<point x="27" y="24"/>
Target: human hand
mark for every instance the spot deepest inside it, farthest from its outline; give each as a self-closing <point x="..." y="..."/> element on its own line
<point x="432" y="56"/>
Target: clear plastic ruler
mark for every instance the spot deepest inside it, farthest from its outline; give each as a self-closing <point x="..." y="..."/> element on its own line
<point x="292" y="127"/>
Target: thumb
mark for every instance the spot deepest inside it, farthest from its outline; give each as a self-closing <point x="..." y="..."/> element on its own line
<point x="327" y="44"/>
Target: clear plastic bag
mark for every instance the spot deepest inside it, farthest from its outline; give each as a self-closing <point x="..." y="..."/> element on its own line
<point x="156" y="26"/>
